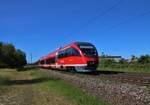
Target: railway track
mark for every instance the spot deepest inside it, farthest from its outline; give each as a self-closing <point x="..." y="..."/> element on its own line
<point x="143" y="79"/>
<point x="132" y="78"/>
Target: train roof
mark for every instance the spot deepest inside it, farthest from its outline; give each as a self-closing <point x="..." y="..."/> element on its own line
<point x="83" y="43"/>
<point x="60" y="49"/>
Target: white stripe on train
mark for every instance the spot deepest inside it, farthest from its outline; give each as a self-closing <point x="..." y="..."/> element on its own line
<point x="57" y="65"/>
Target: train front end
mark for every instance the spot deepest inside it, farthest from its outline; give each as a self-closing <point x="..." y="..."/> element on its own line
<point x="89" y="56"/>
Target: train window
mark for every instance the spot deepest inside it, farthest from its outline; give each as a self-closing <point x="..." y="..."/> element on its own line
<point x="50" y="60"/>
<point x="61" y="54"/>
<point x="58" y="55"/>
<point x="90" y="52"/>
<point x="68" y="52"/>
<point x="42" y="62"/>
<point x="47" y="61"/>
<point x="73" y="52"/>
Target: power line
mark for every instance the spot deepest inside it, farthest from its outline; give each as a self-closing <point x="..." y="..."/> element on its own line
<point x="31" y="57"/>
<point x="99" y="15"/>
<point x="129" y="20"/>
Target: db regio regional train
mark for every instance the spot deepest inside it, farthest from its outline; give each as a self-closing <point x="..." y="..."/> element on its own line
<point x="77" y="56"/>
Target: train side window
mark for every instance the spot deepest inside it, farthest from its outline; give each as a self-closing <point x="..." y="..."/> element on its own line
<point x="42" y="62"/>
<point x="61" y="54"/>
<point x="53" y="60"/>
<point x="74" y="52"/>
<point x="50" y="60"/>
<point x="68" y="52"/>
<point x="47" y="61"/>
<point x="64" y="53"/>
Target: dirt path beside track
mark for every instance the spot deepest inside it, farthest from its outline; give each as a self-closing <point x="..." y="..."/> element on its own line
<point x="21" y="90"/>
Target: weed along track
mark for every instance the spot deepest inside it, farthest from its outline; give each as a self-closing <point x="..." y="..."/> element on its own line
<point x="119" y="89"/>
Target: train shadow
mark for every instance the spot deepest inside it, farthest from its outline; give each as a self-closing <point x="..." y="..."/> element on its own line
<point x="99" y="72"/>
<point x="26" y="82"/>
<point x="95" y="72"/>
<point x="109" y="72"/>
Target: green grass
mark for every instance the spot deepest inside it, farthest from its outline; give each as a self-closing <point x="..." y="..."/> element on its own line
<point x="72" y="93"/>
<point x="3" y="78"/>
<point x="3" y="84"/>
<point x="2" y="81"/>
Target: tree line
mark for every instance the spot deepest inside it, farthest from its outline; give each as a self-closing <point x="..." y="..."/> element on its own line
<point x="143" y="60"/>
<point x="10" y="57"/>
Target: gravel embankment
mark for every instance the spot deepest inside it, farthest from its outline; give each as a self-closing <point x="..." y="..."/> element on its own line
<point x="114" y="92"/>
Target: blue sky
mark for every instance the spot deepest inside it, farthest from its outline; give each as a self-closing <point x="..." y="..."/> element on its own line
<point x="115" y="27"/>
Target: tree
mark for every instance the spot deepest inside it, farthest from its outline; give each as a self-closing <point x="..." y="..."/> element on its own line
<point x="1" y="49"/>
<point x="133" y="59"/>
<point x="20" y="58"/>
<point x="123" y="61"/>
<point x="144" y="59"/>
<point x="10" y="56"/>
<point x="108" y="62"/>
<point x="1" y="54"/>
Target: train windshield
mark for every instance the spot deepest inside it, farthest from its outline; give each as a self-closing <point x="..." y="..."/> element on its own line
<point x="88" y="49"/>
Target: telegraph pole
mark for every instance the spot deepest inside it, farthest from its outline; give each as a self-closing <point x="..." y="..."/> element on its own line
<point x="31" y="57"/>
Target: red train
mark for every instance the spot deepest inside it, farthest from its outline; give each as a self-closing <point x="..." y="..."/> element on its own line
<point x="77" y="56"/>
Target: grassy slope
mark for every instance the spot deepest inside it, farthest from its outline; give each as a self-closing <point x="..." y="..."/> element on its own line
<point x="73" y="94"/>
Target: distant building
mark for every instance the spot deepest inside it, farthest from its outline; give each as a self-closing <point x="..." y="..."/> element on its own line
<point x="131" y="60"/>
<point x="115" y="58"/>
